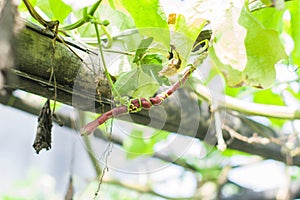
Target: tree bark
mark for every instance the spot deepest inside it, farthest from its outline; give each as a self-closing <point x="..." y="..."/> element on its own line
<point x="78" y="86"/>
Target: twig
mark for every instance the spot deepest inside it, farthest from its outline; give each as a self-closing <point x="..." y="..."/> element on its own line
<point x="253" y="139"/>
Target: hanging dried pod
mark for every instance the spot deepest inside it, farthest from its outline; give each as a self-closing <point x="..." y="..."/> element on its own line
<point x="43" y="133"/>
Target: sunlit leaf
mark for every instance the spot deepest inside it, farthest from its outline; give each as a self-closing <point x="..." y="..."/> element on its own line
<point x="268" y="97"/>
<point x="229" y="38"/>
<point x="59" y="9"/>
<point x="270" y="18"/>
<point x="150" y="19"/>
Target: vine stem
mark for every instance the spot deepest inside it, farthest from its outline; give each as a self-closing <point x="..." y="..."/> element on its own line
<point x="136" y="105"/>
<point x="103" y="61"/>
<point x="83" y="20"/>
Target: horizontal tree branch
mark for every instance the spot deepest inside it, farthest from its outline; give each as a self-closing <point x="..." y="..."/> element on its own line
<point x="249" y="108"/>
<point x="76" y="83"/>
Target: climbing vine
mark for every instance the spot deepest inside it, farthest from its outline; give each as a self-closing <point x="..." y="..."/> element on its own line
<point x="247" y="42"/>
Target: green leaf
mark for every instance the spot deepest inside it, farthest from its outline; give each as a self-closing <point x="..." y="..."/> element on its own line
<point x="135" y="145"/>
<point x="158" y="136"/>
<point x="235" y="92"/>
<point x="231" y="152"/>
<point x="270" y="18"/>
<point x="59" y="9"/>
<point x="152" y="58"/>
<point x="149" y="18"/>
<point x="142" y="48"/>
<point x="136" y="84"/>
<point x="268" y="97"/>
<point x="267" y="2"/>
<point x="294" y="8"/>
<point x="295" y="94"/>
<point x="54" y="9"/>
<point x="263" y="51"/>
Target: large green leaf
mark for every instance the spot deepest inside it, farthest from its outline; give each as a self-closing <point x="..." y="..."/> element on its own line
<point x="55" y="9"/>
<point x="149" y="18"/>
<point x="263" y="51"/>
<point x="136" y="84"/>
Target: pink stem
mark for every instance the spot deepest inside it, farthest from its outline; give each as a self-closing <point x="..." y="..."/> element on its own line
<point x="135" y="105"/>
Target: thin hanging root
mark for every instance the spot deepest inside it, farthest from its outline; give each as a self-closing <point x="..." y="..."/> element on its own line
<point x="136" y="105"/>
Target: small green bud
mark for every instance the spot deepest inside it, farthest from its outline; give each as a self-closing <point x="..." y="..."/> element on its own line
<point x="105" y="22"/>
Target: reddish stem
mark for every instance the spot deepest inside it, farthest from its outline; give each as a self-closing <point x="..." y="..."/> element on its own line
<point x="136" y="105"/>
